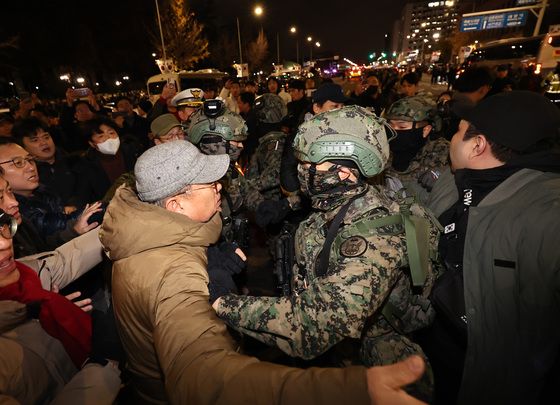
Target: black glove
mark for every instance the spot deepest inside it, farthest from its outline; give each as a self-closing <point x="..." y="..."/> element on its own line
<point x="271" y="212"/>
<point x="223" y="263"/>
<point x="223" y="256"/>
<point x="428" y="179"/>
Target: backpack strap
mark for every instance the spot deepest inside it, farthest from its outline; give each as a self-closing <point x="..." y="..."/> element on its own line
<point x="417" y="234"/>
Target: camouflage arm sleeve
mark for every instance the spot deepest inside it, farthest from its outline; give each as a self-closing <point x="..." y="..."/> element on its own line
<point x="244" y="191"/>
<point x="261" y="179"/>
<point x="269" y="174"/>
<point x="330" y="309"/>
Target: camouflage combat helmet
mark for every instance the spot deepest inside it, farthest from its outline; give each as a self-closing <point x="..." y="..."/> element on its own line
<point x="415" y="108"/>
<point x="228" y="125"/>
<point x="349" y="133"/>
<point x="270" y="108"/>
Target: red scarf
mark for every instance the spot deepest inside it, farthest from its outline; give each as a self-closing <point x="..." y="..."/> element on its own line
<point x="59" y="317"/>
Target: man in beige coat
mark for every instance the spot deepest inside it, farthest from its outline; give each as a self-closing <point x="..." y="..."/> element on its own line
<point x="178" y="350"/>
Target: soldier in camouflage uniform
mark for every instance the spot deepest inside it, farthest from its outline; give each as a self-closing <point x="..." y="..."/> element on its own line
<point x="416" y="161"/>
<point x="262" y="178"/>
<point x="360" y="288"/>
<point x="218" y="131"/>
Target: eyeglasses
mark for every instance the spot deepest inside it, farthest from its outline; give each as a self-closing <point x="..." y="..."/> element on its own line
<point x="211" y="185"/>
<point x="173" y="135"/>
<point x="19" y="161"/>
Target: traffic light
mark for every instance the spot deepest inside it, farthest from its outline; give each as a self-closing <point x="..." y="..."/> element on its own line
<point x="394" y="54"/>
<point x="371" y="55"/>
<point x="383" y="54"/>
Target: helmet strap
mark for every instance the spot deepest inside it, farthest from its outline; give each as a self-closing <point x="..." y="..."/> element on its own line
<point x="311" y="178"/>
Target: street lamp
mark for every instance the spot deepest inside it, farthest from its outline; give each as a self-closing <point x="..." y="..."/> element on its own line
<point x="258" y="11"/>
<point x="318" y="44"/>
<point x="423" y="44"/>
<point x="80" y="80"/>
<point x="293" y="30"/>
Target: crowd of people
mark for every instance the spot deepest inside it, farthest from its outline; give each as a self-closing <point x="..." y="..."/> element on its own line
<point x="413" y="238"/>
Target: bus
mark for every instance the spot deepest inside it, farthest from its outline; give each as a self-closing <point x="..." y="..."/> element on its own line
<point x="542" y="51"/>
<point x="184" y="80"/>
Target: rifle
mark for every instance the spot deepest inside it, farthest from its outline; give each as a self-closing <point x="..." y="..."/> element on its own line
<point x="240" y="232"/>
<point x="284" y="260"/>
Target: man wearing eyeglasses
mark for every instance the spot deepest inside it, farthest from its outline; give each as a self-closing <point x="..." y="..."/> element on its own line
<point x="166" y="128"/>
<point x="178" y="350"/>
<point x="39" y="206"/>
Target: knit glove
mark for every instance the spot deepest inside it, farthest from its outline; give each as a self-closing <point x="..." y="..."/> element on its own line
<point x="223" y="263"/>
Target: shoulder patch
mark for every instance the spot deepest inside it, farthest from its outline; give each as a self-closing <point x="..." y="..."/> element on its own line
<point x="354" y="246"/>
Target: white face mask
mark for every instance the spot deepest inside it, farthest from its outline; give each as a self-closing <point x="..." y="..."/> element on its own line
<point x="110" y="146"/>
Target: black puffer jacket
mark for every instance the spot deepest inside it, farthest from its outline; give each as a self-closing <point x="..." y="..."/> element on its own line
<point x="46" y="212"/>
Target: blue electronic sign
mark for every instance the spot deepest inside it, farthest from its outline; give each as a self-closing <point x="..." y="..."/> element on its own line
<point x="492" y="21"/>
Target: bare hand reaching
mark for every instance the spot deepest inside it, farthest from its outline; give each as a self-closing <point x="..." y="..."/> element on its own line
<point x="168" y="91"/>
<point x="385" y="383"/>
<point x="84" y="305"/>
<point x="81" y="226"/>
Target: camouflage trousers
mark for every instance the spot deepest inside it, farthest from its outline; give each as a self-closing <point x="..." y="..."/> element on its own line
<point x="382" y="345"/>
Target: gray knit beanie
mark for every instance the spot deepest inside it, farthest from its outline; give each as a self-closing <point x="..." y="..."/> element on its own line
<point x="164" y="170"/>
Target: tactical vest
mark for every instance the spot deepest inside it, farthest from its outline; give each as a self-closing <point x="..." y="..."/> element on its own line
<point x="417" y="233"/>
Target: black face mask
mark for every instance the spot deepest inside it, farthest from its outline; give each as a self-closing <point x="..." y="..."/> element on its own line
<point x="405" y="146"/>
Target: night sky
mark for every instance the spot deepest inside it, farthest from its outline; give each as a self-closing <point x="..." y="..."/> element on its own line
<point x="113" y="36"/>
<point x="351" y="28"/>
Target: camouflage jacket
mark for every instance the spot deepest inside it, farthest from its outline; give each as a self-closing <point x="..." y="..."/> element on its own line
<point x="347" y="301"/>
<point x="427" y="165"/>
<point x="262" y="178"/>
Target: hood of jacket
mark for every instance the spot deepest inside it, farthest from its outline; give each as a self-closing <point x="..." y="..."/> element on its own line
<point x="131" y="226"/>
